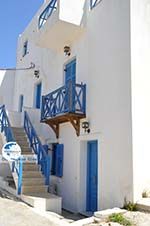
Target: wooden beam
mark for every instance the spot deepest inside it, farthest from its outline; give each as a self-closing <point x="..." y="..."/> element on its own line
<point x="55" y="128"/>
<point x="76" y="124"/>
<point x="74" y="119"/>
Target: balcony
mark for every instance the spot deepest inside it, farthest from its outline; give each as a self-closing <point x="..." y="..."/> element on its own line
<point x="66" y="104"/>
<point x="59" y="24"/>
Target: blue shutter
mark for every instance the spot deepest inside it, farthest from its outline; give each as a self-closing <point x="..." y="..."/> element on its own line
<point x="53" y="169"/>
<point x="59" y="160"/>
<point x="45" y="146"/>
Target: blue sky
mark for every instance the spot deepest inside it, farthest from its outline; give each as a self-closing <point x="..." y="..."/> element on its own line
<point x="14" y="16"/>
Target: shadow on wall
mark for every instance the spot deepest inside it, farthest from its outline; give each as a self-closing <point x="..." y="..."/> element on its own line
<point x="7" y="81"/>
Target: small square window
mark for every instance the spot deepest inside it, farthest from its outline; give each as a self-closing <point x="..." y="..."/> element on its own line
<point x="25" y="48"/>
<point x="94" y="3"/>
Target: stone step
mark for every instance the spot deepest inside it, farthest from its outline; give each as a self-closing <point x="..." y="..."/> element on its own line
<point x="23" y="143"/>
<point x="21" y="138"/>
<point x="31" y="174"/>
<point x="34" y="189"/>
<point x="18" y="130"/>
<point x="26" y="148"/>
<point x="26" y="153"/>
<point x="30" y="167"/>
<point x="33" y="181"/>
<point x="143" y="204"/>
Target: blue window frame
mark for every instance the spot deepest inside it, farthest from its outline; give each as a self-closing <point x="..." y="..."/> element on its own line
<point x="21" y="100"/>
<point x="57" y="160"/>
<point x="25" y="48"/>
<point x="94" y="3"/>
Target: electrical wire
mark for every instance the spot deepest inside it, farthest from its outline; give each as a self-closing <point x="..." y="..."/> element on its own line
<point x="32" y="66"/>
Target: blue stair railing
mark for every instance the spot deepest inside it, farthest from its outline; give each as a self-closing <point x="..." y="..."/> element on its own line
<point x="67" y="99"/>
<point x="36" y="145"/>
<point x="17" y="165"/>
<point x="47" y="13"/>
<point x="5" y="125"/>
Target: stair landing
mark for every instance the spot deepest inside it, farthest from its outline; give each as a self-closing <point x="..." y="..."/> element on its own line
<point x="43" y="201"/>
<point x="40" y="201"/>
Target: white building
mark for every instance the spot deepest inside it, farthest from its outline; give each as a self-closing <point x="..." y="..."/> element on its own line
<point x="109" y="52"/>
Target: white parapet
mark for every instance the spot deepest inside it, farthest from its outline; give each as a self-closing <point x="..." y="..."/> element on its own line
<point x="44" y="202"/>
<point x="60" y="27"/>
<point x="71" y="11"/>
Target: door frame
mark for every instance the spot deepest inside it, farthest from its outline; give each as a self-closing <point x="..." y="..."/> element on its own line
<point x="87" y="175"/>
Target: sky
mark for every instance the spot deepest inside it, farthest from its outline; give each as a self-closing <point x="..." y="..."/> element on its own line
<point x="15" y="15"/>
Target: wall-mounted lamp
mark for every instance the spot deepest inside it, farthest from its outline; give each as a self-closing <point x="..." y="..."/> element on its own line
<point x="37" y="73"/>
<point x="85" y="126"/>
<point x="67" y="50"/>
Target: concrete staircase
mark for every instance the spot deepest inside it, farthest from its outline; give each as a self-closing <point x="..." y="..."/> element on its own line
<point x="34" y="190"/>
<point x="22" y="140"/>
<point x="33" y="180"/>
<point x="29" y="181"/>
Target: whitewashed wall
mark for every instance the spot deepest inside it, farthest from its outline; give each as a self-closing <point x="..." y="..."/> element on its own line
<point x="7" y="79"/>
<point x="140" y="40"/>
<point x="103" y="63"/>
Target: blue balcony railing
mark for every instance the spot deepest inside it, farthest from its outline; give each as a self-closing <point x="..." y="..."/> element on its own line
<point x="47" y="13"/>
<point x="67" y="99"/>
<point x="94" y="3"/>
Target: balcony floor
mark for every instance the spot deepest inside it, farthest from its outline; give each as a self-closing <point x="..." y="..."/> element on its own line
<point x="56" y="36"/>
<point x="73" y="118"/>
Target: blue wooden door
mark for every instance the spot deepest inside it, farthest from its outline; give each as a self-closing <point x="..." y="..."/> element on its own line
<point x="70" y="79"/>
<point x="70" y="72"/>
<point x="38" y="95"/>
<point x="92" y="174"/>
<point x="21" y="99"/>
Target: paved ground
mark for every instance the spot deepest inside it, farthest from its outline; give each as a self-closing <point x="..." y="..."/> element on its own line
<point x="15" y="213"/>
<point x="139" y="218"/>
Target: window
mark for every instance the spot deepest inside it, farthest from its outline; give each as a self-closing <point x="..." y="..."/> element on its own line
<point x="94" y="3"/>
<point x="21" y="98"/>
<point x="25" y="48"/>
<point x="38" y="92"/>
<point x="57" y="160"/>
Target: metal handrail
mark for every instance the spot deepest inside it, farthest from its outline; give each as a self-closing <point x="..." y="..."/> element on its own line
<point x="17" y="165"/>
<point x="5" y="125"/>
<point x="36" y="145"/>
